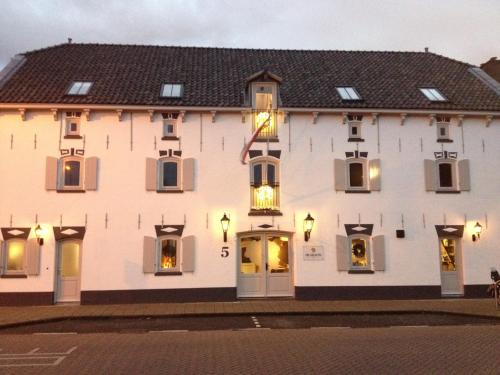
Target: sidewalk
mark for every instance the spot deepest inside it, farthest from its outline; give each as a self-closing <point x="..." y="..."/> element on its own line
<point x="18" y="315"/>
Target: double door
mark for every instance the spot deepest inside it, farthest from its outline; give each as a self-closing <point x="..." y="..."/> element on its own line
<point x="265" y="265"/>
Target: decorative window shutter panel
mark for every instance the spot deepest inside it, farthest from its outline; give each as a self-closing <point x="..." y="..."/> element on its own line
<point x="430" y="174"/>
<point x="151" y="174"/>
<point x="378" y="253"/>
<point x="91" y="165"/>
<point x="149" y="255"/>
<point x="375" y="181"/>
<point x="464" y="175"/>
<point x="2" y="256"/>
<point x="32" y="257"/>
<point x="343" y="262"/>
<point x="339" y="174"/>
<point x="188" y="253"/>
<point x="188" y="174"/>
<point x="51" y="167"/>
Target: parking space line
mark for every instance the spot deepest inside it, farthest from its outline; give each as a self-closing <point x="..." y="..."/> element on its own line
<point x="251" y="329"/>
<point x="55" y="333"/>
<point x="170" y="331"/>
<point x="331" y="327"/>
<point x="256" y="322"/>
<point x="419" y="326"/>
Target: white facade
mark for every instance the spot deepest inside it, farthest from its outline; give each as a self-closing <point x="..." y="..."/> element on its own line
<point x="121" y="212"/>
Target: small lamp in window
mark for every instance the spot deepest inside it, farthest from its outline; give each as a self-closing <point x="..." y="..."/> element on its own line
<point x="308" y="226"/>
<point x="39" y="234"/>
<point x="225" y="225"/>
<point x="478" y="228"/>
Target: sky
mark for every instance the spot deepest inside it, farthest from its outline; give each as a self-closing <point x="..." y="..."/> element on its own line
<point x="466" y="30"/>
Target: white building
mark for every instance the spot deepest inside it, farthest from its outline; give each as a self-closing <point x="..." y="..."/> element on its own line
<point x="126" y="158"/>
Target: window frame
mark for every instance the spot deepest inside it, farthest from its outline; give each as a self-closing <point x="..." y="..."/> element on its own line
<point x="160" y="171"/>
<point x="367" y="240"/>
<point x="172" y="84"/>
<point x="177" y="268"/>
<point x="454" y="175"/>
<point x="446" y="126"/>
<point x="364" y="163"/>
<point x="346" y="95"/>
<point x="72" y="117"/>
<point x="271" y="132"/>
<point x="79" y="91"/>
<point x="433" y="94"/>
<point x="5" y="254"/>
<point x="166" y="123"/>
<point x="264" y="161"/>
<point x="62" y="161"/>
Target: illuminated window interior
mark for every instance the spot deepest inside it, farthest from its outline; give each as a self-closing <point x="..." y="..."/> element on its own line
<point x="359" y="253"/>
<point x="72" y="173"/>
<point x="168" y="255"/>
<point x="15" y="255"/>
<point x="264" y="112"/>
<point x="265" y="185"/>
<point x="447" y="247"/>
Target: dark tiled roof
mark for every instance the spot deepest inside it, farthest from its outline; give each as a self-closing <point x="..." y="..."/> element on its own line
<point x="132" y="75"/>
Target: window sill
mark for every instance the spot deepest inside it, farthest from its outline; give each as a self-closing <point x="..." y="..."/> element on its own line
<point x="355" y="140"/>
<point x="354" y="272"/>
<point x="444" y="140"/>
<point x="357" y="191"/>
<point x="271" y="139"/>
<point x="166" y="273"/>
<point x="70" y="191"/>
<point x="73" y="137"/>
<point x="169" y="138"/>
<point x="447" y="191"/>
<point x="13" y="276"/>
<point x="176" y="191"/>
<point x="265" y="213"/>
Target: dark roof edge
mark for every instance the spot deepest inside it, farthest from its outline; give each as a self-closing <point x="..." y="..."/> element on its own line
<point x="486" y="79"/>
<point x="8" y="71"/>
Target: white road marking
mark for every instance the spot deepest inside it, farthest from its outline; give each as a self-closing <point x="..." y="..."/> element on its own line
<point x="422" y="326"/>
<point x="170" y="331"/>
<point x="251" y="329"/>
<point x="332" y="327"/>
<point x="34" y="351"/>
<point x="256" y="322"/>
<point x="53" y="359"/>
<point x="55" y="333"/>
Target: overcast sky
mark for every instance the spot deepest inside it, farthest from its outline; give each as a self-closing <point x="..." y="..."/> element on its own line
<point x="467" y="30"/>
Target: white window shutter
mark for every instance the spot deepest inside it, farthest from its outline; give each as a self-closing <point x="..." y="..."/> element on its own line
<point x="91" y="165"/>
<point x="378" y="253"/>
<point x="188" y="253"/>
<point x="51" y="165"/>
<point x="374" y="173"/>
<point x="430" y="174"/>
<point x="340" y="174"/>
<point x="151" y="174"/>
<point x="149" y="255"/>
<point x="343" y="254"/>
<point x="464" y="175"/>
<point x="32" y="255"/>
<point x="2" y="256"/>
<point x="188" y="174"/>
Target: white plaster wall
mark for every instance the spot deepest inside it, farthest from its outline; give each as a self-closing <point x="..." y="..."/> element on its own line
<point x="112" y="257"/>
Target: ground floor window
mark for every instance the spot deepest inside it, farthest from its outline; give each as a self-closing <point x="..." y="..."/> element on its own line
<point x="14" y="256"/>
<point x="169" y="259"/>
<point x="359" y="253"/>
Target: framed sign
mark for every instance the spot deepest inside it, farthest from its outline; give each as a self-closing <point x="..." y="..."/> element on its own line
<point x="313" y="253"/>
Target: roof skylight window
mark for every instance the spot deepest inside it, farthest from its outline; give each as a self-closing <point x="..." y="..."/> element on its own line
<point x="433" y="94"/>
<point x="348" y="93"/>
<point x="171" y="90"/>
<point x="80" y="88"/>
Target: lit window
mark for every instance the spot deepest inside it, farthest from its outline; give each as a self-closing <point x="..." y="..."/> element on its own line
<point x="71" y="173"/>
<point x="348" y="93"/>
<point x="79" y="88"/>
<point x="170" y="177"/>
<point x="447" y="248"/>
<point x="264" y="105"/>
<point x="73" y="124"/>
<point x="360" y="257"/>
<point x="264" y="181"/>
<point x="169" y="254"/>
<point x="14" y="256"/>
<point x="433" y="94"/>
<point x="172" y="90"/>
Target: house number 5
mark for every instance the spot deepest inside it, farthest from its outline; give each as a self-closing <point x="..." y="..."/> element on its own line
<point x="224" y="252"/>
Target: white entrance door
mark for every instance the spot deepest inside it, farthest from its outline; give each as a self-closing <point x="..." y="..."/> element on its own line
<point x="265" y="266"/>
<point x="68" y="271"/>
<point x="450" y="253"/>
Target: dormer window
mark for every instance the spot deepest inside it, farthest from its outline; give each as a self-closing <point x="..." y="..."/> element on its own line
<point x="172" y="90"/>
<point x="443" y="129"/>
<point x="170" y="126"/>
<point x="433" y="94"/>
<point x="354" y="124"/>
<point x="72" y="130"/>
<point x="348" y="93"/>
<point x="264" y="99"/>
<point x="80" y="88"/>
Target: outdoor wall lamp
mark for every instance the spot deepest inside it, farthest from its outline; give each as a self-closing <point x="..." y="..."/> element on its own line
<point x="478" y="228"/>
<point x="308" y="226"/>
<point x="225" y="225"/>
<point x="39" y="234"/>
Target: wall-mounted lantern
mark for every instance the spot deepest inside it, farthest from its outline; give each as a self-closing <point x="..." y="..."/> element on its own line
<point x="39" y="234"/>
<point x="225" y="225"/>
<point x="308" y="226"/>
<point x="478" y="228"/>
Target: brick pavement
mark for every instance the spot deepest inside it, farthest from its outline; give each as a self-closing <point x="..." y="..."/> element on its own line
<point x="19" y="315"/>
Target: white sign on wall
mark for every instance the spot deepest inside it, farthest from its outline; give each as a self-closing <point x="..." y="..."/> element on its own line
<point x="313" y="253"/>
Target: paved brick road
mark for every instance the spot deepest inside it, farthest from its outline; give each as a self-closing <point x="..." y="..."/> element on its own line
<point x="402" y="350"/>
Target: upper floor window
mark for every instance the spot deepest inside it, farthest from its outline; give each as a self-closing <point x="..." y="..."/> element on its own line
<point x="172" y="90"/>
<point x="264" y="102"/>
<point x="80" y="88"/>
<point x="443" y="129"/>
<point x="446" y="173"/>
<point x="354" y="125"/>
<point x="348" y="93"/>
<point x="71" y="173"/>
<point x="72" y="129"/>
<point x="357" y="174"/>
<point x="264" y="184"/>
<point x="170" y="174"/>
<point x="433" y="94"/>
<point x="170" y="126"/>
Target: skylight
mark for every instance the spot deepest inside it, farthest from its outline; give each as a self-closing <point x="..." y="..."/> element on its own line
<point x="348" y="93"/>
<point x="433" y="94"/>
<point x="171" y="90"/>
<point x="79" y="88"/>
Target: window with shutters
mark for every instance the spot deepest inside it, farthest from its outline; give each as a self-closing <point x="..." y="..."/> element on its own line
<point x="72" y="125"/>
<point x="71" y="174"/>
<point x="170" y="174"/>
<point x="14" y="255"/>
<point x="360" y="252"/>
<point x="447" y="174"/>
<point x="264" y="103"/>
<point x="357" y="174"/>
<point x="264" y="185"/>
<point x="168" y="255"/>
